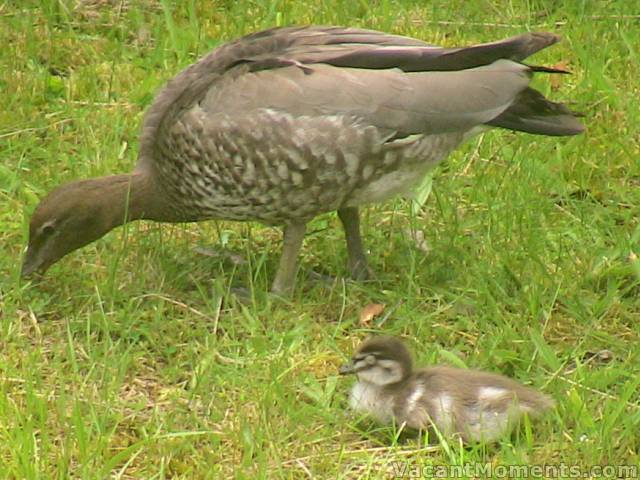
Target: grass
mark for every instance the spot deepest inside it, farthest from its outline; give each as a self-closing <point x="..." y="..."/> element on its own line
<point x="133" y="361"/>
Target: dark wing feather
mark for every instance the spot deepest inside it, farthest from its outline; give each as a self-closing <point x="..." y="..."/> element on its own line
<point x="531" y="112"/>
<point x="422" y="58"/>
<point x="376" y="50"/>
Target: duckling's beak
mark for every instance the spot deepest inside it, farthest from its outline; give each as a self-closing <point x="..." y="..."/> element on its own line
<point x="346" y="369"/>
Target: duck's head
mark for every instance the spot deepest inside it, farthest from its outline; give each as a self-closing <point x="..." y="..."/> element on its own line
<point x="69" y="217"/>
<point x="381" y="361"/>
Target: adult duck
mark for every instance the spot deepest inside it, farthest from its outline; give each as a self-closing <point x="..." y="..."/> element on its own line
<point x="285" y="124"/>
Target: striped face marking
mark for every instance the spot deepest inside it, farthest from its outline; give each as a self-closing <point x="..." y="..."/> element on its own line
<point x="372" y="367"/>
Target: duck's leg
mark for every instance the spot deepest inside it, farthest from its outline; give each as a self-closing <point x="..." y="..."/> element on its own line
<point x="358" y="266"/>
<point x="286" y="275"/>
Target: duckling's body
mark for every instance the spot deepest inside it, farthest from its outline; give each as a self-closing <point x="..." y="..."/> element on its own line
<point x="282" y="125"/>
<point x="477" y="406"/>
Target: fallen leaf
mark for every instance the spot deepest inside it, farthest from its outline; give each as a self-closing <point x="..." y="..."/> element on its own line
<point x="369" y="312"/>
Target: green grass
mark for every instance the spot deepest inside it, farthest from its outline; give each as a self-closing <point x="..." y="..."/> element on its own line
<point x="132" y="360"/>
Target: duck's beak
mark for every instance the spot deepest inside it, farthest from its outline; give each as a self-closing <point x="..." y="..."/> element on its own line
<point x="346" y="369"/>
<point x="29" y="264"/>
<point x="32" y="264"/>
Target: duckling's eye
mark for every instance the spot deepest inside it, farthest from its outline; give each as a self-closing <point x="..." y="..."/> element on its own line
<point x="371" y="360"/>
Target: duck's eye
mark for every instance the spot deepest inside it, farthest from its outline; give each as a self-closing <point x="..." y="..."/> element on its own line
<point x="47" y="229"/>
<point x="371" y="360"/>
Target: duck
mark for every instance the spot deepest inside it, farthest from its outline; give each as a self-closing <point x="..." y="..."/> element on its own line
<point x="472" y="405"/>
<point x="286" y="124"/>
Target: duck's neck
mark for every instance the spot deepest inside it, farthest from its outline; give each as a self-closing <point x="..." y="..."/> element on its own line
<point x="131" y="197"/>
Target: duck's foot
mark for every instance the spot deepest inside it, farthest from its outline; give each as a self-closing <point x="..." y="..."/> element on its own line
<point x="360" y="270"/>
<point x="322" y="278"/>
<point x="245" y="296"/>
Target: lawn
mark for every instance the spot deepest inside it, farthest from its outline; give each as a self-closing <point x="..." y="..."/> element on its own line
<point x="132" y="359"/>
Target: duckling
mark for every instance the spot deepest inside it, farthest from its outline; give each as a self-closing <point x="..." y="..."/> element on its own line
<point x="474" y="405"/>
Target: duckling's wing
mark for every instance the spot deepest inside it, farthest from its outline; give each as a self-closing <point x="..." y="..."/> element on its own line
<point x="498" y="393"/>
<point x="486" y="404"/>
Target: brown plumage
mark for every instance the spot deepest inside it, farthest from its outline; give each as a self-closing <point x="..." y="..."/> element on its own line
<point x="282" y="125"/>
<point x="477" y="406"/>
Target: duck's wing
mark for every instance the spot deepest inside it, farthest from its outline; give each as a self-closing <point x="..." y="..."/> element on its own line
<point x="529" y="111"/>
<point x="390" y="100"/>
<point x="400" y="85"/>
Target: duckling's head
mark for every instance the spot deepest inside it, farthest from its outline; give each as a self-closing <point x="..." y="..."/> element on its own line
<point x="381" y="361"/>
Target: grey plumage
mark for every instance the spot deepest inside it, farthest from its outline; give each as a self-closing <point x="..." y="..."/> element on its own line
<point x="282" y="125"/>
